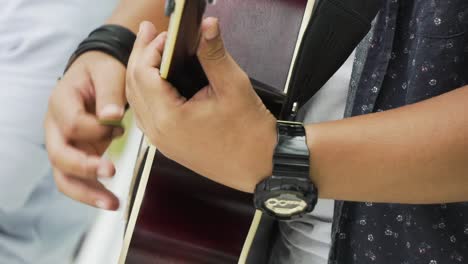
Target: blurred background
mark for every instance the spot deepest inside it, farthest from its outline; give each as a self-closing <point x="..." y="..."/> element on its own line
<point x="38" y="224"/>
<point x="104" y="239"/>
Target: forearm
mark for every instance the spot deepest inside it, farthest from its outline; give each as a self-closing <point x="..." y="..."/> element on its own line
<point x="414" y="154"/>
<point x="130" y="13"/>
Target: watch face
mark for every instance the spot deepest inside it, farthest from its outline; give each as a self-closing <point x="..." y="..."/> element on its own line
<point x="286" y="204"/>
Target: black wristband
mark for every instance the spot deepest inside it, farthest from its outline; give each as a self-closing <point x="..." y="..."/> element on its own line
<point x="115" y="40"/>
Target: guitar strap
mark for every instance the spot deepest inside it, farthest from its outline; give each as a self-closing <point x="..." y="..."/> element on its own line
<point x="334" y="31"/>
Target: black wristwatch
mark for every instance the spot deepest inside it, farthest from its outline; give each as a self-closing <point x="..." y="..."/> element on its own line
<point x="288" y="193"/>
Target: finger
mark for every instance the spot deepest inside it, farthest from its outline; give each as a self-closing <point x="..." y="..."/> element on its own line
<point x="109" y="86"/>
<point x="146" y="34"/>
<point x="141" y="73"/>
<point x="145" y="87"/>
<point x="96" y="149"/>
<point x="89" y="192"/>
<point x="105" y="168"/>
<point x="155" y="89"/>
<point x="67" y="108"/>
<point x="86" y="127"/>
<point x="65" y="157"/>
<point x="214" y="58"/>
<point x="151" y="59"/>
<point x="153" y="52"/>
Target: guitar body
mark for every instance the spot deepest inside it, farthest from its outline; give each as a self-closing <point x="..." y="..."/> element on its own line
<point x="177" y="216"/>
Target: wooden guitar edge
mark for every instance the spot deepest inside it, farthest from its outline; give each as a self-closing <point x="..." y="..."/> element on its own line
<point x="141" y="156"/>
<point x="174" y="25"/>
<point x="305" y="22"/>
<point x="137" y="204"/>
<point x="258" y="214"/>
<point x="250" y="237"/>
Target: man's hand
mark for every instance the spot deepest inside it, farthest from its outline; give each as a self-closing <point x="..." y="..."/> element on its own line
<point x="92" y="90"/>
<point x="224" y="132"/>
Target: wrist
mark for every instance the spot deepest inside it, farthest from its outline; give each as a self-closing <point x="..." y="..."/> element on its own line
<point x="271" y="141"/>
<point x="318" y="142"/>
<point x="288" y="192"/>
<point x="262" y="147"/>
<point x="114" y="40"/>
<point x="97" y="63"/>
<point x="309" y="139"/>
<point x="96" y="57"/>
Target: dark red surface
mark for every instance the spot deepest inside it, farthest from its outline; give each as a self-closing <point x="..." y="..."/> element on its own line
<point x="213" y="220"/>
<point x="186" y="218"/>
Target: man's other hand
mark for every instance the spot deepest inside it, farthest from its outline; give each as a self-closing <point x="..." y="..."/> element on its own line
<point x="224" y="132"/>
<point x="92" y="91"/>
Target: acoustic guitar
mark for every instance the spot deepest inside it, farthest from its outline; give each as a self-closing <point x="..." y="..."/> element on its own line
<point x="177" y="216"/>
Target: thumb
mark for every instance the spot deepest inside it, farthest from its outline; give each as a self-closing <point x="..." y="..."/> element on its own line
<point x="217" y="63"/>
<point x="109" y="86"/>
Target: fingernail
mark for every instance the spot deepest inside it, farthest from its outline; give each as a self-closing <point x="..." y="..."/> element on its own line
<point x="144" y="26"/>
<point x="104" y="171"/>
<point x="112" y="110"/>
<point x="212" y="31"/>
<point x="118" y="132"/>
<point x="140" y="29"/>
<point x="122" y="202"/>
<point x="101" y="204"/>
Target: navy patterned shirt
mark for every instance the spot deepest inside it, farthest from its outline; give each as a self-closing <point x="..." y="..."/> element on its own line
<point x="416" y="50"/>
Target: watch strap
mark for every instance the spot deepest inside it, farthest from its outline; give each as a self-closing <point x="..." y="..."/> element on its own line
<point x="289" y="192"/>
<point x="291" y="156"/>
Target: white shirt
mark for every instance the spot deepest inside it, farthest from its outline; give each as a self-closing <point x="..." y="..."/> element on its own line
<point x="37" y="223"/>
<point x="308" y="240"/>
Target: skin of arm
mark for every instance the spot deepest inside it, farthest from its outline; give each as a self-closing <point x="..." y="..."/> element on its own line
<point x="415" y="154"/>
<point x="130" y="13"/>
